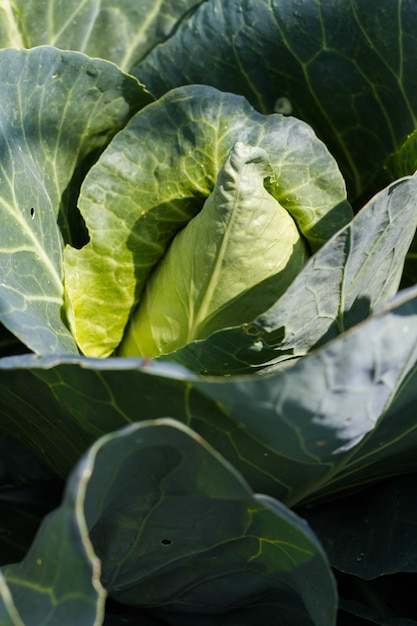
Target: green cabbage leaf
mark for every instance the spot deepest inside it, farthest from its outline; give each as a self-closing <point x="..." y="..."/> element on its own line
<point x="156" y="175"/>
<point x="229" y="264"/>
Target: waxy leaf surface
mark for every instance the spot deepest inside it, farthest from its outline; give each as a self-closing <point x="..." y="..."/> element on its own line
<point x="122" y="31"/>
<point x="345" y="67"/>
<point x="135" y="199"/>
<point x="58" y="109"/>
<point x="352" y="275"/>
<point x="231" y="261"/>
<point x="353" y="421"/>
<point x="173" y="525"/>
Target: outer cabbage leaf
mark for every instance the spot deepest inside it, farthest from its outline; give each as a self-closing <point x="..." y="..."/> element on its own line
<point x="18" y="465"/>
<point x="9" y="343"/>
<point x="58" y="109"/>
<point x="389" y="450"/>
<point x="28" y="490"/>
<point x="409" y="277"/>
<point x="58" y="581"/>
<point x="123" y="617"/>
<point x="403" y="162"/>
<point x="340" y="417"/>
<point x="8" y="612"/>
<point x="155" y="176"/>
<point x="231" y="261"/>
<point x="177" y="529"/>
<point x="122" y="31"/>
<point x="22" y="509"/>
<point x="370" y="533"/>
<point x="388" y="597"/>
<point x="353" y="274"/>
<point x="345" y="67"/>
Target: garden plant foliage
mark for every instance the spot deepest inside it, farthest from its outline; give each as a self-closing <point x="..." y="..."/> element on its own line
<point x="208" y="313"/>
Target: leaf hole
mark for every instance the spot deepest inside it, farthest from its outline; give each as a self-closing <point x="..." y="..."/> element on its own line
<point x="32" y="213"/>
<point x="166" y="542"/>
<point x="283" y="106"/>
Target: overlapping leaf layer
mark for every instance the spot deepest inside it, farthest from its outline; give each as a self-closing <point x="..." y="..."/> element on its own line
<point x="263" y="469"/>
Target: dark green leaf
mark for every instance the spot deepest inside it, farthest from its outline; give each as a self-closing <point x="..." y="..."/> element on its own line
<point x="291" y="434"/>
<point x="391" y="448"/>
<point x="18" y="465"/>
<point x="57" y="582"/>
<point x="370" y="533"/>
<point x="403" y="162"/>
<point x="58" y="109"/>
<point x="175" y="526"/>
<point x="409" y="277"/>
<point x="22" y="509"/>
<point x="9" y="344"/>
<point x="122" y="31"/>
<point x="345" y="67"/>
<point x="118" y="614"/>
<point x="386" y="601"/>
<point x="28" y="490"/>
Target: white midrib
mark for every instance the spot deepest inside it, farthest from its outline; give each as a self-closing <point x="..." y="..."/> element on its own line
<point x="15" y="36"/>
<point x="125" y="62"/>
<point x="36" y="247"/>
<point x="197" y="320"/>
<point x="29" y="232"/>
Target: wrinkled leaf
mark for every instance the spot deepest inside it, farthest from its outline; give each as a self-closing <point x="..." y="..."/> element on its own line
<point x="233" y="260"/>
<point x="344" y="67"/>
<point x="58" y="109"/>
<point x="134" y="200"/>
<point x="353" y="274"/>
<point x="122" y="31"/>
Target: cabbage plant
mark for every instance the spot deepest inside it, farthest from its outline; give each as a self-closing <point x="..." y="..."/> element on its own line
<point x="208" y="331"/>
